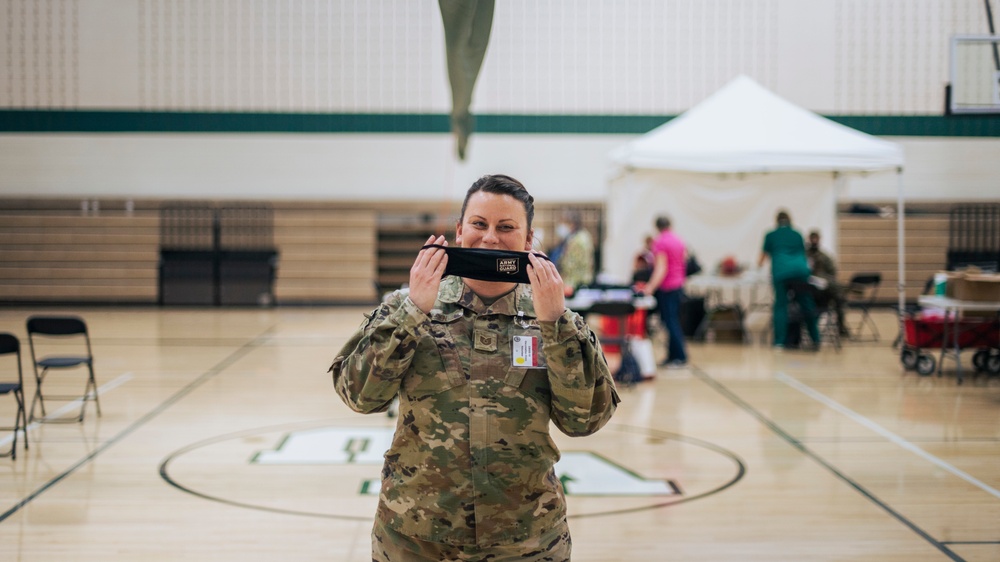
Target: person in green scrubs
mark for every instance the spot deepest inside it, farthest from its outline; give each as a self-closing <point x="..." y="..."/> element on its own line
<point x="787" y="251"/>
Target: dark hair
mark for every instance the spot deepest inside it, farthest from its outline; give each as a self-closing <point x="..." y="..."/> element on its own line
<point x="574" y="218"/>
<point x="783" y="218"/>
<point x="502" y="185"/>
<point x="662" y="223"/>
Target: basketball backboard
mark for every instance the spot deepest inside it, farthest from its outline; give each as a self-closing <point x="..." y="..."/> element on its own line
<point x="974" y="74"/>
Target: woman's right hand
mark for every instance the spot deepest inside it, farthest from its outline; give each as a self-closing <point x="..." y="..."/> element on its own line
<point x="426" y="273"/>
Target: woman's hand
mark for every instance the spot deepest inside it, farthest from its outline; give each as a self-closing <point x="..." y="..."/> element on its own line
<point x="546" y="289"/>
<point x="426" y="272"/>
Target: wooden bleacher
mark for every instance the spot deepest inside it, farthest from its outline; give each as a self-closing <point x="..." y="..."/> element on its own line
<point x="326" y="256"/>
<point x="57" y="254"/>
<point x="51" y="251"/>
<point x="869" y="243"/>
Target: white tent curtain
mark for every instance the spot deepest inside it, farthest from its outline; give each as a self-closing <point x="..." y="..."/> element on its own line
<point x="718" y="215"/>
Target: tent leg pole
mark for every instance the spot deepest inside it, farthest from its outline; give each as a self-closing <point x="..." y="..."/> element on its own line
<point x="901" y="236"/>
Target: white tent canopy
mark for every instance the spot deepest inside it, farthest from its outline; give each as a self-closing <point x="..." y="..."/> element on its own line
<point x="743" y="127"/>
<point x="723" y="169"/>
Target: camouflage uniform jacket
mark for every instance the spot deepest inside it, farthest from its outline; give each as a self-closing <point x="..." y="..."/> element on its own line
<point x="577" y="263"/>
<point x="821" y="264"/>
<point x="472" y="461"/>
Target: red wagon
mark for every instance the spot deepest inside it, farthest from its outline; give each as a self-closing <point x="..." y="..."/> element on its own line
<point x="924" y="332"/>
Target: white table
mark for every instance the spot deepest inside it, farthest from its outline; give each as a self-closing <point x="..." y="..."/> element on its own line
<point x="742" y="289"/>
<point x="953" y="309"/>
<point x="748" y="291"/>
<point x="584" y="299"/>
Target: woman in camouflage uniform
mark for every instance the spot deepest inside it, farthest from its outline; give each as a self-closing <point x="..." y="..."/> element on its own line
<point x="576" y="266"/>
<point x="481" y="368"/>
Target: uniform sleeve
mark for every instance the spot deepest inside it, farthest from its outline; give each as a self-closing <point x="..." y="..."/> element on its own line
<point x="583" y="392"/>
<point x="369" y="368"/>
<point x="828" y="265"/>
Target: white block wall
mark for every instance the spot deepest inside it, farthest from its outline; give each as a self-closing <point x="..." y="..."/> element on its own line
<point x="566" y="57"/>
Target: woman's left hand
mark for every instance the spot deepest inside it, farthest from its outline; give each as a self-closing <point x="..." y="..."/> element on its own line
<point x="546" y="289"/>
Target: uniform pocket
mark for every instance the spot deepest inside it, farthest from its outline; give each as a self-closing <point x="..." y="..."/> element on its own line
<point x="436" y="365"/>
<point x="533" y="383"/>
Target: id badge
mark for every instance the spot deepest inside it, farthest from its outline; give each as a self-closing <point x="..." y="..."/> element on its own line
<point x="526" y="352"/>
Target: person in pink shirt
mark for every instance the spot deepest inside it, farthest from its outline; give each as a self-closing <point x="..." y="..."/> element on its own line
<point x="667" y="283"/>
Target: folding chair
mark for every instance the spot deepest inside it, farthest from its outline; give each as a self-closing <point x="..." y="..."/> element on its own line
<point x="861" y="292"/>
<point x="43" y="333"/>
<point x="10" y="345"/>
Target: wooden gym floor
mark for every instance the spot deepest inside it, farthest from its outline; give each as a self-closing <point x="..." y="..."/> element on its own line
<point x="222" y="439"/>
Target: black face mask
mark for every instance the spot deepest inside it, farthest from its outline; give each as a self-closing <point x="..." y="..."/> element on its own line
<point x="503" y="266"/>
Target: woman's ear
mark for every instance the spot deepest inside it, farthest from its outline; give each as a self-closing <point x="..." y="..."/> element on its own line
<point x="528" y="243"/>
<point x="458" y="233"/>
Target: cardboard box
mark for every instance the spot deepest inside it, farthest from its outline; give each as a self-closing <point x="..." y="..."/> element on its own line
<point x="976" y="287"/>
<point x="951" y="279"/>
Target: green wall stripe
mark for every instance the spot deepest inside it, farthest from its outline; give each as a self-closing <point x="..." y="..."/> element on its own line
<point x="923" y="125"/>
<point x="80" y="121"/>
<point x="56" y="121"/>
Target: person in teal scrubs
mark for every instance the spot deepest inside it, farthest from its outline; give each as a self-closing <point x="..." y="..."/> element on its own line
<point x="787" y="251"/>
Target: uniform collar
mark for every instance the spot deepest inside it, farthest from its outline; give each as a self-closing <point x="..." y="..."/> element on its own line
<point x="455" y="291"/>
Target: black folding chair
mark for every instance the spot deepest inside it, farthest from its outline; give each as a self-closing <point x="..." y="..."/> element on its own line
<point x="860" y="295"/>
<point x="45" y="333"/>
<point x="11" y="346"/>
